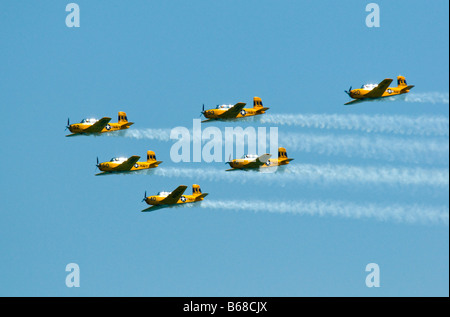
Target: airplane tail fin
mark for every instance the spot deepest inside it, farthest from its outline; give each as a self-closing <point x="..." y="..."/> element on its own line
<point x="196" y="191"/>
<point x="123" y="119"/>
<point x="151" y="158"/>
<point x="257" y="102"/>
<point x="401" y="81"/>
<point x="282" y="154"/>
<point x="258" y="105"/>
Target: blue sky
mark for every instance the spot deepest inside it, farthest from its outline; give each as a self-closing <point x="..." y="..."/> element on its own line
<point x="160" y="61"/>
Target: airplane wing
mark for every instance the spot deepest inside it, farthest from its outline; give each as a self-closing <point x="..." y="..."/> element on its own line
<point x="174" y="196"/>
<point x="354" y="101"/>
<point x="98" y="126"/>
<point x="380" y="89"/>
<point x="233" y="111"/>
<point x="128" y="164"/>
<point x="157" y="207"/>
<point x="261" y="160"/>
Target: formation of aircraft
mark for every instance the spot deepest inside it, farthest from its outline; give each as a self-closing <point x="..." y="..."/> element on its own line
<point x="252" y="161"/>
<point x="124" y="164"/>
<point x="231" y="112"/>
<point x="94" y="126"/>
<point x="381" y="90"/>
<point x="174" y="198"/>
<point x="221" y="112"/>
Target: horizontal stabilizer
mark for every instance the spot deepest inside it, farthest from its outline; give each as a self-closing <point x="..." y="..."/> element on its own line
<point x="203" y="195"/>
<point x="406" y="88"/>
<point x="128" y="124"/>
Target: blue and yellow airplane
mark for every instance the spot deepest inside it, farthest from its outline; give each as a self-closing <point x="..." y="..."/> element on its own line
<point x="370" y="91"/>
<point x="94" y="126"/>
<point x="124" y="164"/>
<point x="173" y="199"/>
<point x="232" y="112"/>
<point x="251" y="161"/>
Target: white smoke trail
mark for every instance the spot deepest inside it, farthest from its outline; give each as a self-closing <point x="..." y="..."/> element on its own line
<point x="396" y="124"/>
<point x="398" y="213"/>
<point x="427" y="97"/>
<point x="324" y="174"/>
<point x="376" y="147"/>
<point x="405" y="149"/>
<point x="151" y="134"/>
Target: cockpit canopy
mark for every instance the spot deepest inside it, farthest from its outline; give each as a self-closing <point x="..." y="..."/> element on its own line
<point x="224" y="106"/>
<point x="165" y="194"/>
<point x="369" y="86"/>
<point x="118" y="159"/>
<point x="250" y="156"/>
<point x="89" y="120"/>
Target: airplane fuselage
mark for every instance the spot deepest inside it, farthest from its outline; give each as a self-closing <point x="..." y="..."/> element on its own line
<point x="391" y="91"/>
<point x="110" y="166"/>
<point x="277" y="162"/>
<point x="81" y="127"/>
<point x="157" y="199"/>
<point x="242" y="163"/>
<point x="245" y="112"/>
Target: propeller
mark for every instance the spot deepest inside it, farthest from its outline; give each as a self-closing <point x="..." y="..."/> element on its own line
<point x="68" y="124"/>
<point x="145" y="196"/>
<point x="203" y="110"/>
<point x="97" y="165"/>
<point x="229" y="160"/>
<point x="349" y="90"/>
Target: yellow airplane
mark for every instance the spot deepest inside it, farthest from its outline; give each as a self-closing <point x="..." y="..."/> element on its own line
<point x="123" y="164"/>
<point x="381" y="90"/>
<point x="94" y="126"/>
<point x="173" y="199"/>
<point x="250" y="161"/>
<point x="230" y="112"/>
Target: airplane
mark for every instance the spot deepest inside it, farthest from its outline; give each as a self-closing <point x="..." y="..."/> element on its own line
<point x="94" y="126"/>
<point x="251" y="161"/>
<point x="173" y="199"/>
<point x="371" y="91"/>
<point x="230" y="112"/>
<point x="123" y="164"/>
